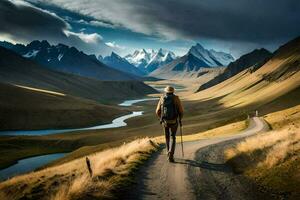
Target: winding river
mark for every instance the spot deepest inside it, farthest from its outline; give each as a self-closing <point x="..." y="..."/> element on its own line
<point x="116" y="123"/>
<point x="32" y="163"/>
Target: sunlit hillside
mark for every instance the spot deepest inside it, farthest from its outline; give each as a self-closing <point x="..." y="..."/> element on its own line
<point x="278" y="76"/>
<point x="272" y="159"/>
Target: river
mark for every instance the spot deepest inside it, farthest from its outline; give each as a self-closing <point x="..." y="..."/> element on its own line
<point x="32" y="163"/>
<point x="116" y="123"/>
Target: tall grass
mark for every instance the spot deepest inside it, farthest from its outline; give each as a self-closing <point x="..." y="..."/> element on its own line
<point x="73" y="181"/>
<point x="276" y="145"/>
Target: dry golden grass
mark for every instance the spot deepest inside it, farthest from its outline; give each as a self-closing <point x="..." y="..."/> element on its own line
<point x="249" y="87"/>
<point x="277" y="144"/>
<point x="72" y="180"/>
<point x="272" y="159"/>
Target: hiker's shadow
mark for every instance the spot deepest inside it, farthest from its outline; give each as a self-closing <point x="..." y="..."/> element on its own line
<point x="204" y="165"/>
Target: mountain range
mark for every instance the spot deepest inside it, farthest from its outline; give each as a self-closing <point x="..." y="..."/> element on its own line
<point x="18" y="70"/>
<point x="67" y="59"/>
<point x="148" y="61"/>
<point x="119" y="63"/>
<point x="211" y="57"/>
<point x="194" y="64"/>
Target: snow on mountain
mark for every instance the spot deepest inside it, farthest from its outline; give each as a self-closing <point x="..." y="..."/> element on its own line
<point x="149" y="60"/>
<point x="211" y="57"/>
<point x="60" y="56"/>
<point x="30" y="54"/>
<point x="69" y="60"/>
<point x="197" y="61"/>
<point x="222" y="57"/>
<point x="117" y="62"/>
<point x="139" y="58"/>
<point x="160" y="58"/>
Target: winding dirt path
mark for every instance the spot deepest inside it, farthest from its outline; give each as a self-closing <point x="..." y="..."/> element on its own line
<point x="201" y="174"/>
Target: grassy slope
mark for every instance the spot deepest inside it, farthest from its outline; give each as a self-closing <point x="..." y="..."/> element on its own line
<point x="272" y="159"/>
<point x="18" y="70"/>
<point x="281" y="74"/>
<point x="29" y="109"/>
<point x="111" y="169"/>
<point x="24" y="109"/>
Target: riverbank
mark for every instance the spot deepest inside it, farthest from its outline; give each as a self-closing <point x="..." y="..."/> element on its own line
<point x="116" y="123"/>
<point x="26" y="108"/>
<point x="81" y="143"/>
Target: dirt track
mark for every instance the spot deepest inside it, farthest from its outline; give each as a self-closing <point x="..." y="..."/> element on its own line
<point x="201" y="174"/>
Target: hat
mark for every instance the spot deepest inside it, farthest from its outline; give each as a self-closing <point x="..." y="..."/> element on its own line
<point x="169" y="89"/>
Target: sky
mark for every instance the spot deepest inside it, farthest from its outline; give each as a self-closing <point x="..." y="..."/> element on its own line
<point x="102" y="26"/>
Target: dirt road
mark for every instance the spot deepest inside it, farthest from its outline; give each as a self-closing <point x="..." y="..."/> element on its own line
<point x="201" y="174"/>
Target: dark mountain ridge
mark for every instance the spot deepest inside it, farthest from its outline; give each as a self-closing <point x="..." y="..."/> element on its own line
<point x="15" y="69"/>
<point x="67" y="59"/>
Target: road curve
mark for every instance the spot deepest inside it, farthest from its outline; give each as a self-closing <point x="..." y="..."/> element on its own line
<point x="192" y="177"/>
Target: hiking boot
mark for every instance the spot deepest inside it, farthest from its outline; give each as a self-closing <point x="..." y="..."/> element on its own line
<point x="170" y="158"/>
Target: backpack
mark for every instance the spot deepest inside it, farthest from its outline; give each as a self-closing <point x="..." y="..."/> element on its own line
<point x="169" y="110"/>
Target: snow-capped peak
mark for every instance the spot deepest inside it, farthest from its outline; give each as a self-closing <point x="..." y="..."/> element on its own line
<point x="162" y="57"/>
<point x="210" y="57"/>
<point x="149" y="58"/>
<point x="139" y="57"/>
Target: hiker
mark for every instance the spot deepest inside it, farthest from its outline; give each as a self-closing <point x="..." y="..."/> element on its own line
<point x="170" y="112"/>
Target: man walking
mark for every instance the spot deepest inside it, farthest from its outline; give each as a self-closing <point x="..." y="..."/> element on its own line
<point x="170" y="112"/>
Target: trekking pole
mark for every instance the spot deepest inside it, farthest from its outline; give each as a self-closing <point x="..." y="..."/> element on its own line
<point x="181" y="140"/>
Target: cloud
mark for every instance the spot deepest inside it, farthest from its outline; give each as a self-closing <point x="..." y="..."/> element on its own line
<point x="93" y="38"/>
<point x="88" y="43"/>
<point x="94" y="23"/>
<point x="101" y="24"/>
<point x="238" y="20"/>
<point x="22" y="22"/>
<point x="114" y="45"/>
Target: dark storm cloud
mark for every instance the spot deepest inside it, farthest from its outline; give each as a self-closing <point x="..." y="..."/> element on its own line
<point x="21" y="21"/>
<point x="245" y="20"/>
<point x="239" y="20"/>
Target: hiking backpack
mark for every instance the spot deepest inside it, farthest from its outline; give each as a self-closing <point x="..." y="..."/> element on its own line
<point x="169" y="110"/>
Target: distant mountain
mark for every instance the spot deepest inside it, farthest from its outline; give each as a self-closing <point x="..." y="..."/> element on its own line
<point x="140" y="58"/>
<point x="211" y="57"/>
<point x="183" y="64"/>
<point x="255" y="58"/>
<point x="67" y="59"/>
<point x="119" y="63"/>
<point x="148" y="61"/>
<point x="15" y="69"/>
<point x="160" y="58"/>
<point x="188" y="67"/>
